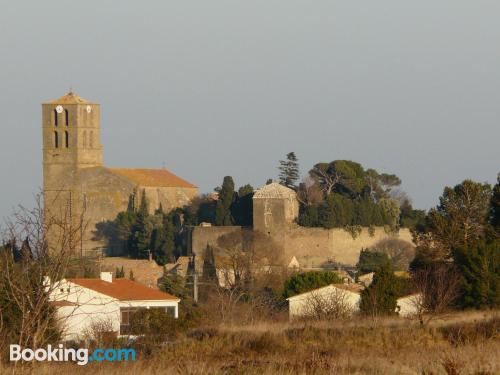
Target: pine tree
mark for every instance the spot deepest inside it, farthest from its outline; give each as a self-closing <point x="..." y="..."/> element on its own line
<point x="226" y="199"/>
<point x="480" y="268"/>
<point x="289" y="171"/>
<point x="495" y="206"/>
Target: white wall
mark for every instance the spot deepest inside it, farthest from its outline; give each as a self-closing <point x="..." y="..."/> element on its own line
<point x="92" y="308"/>
<point x="300" y="305"/>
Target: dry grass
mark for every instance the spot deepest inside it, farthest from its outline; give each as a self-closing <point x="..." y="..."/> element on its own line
<point x="466" y="343"/>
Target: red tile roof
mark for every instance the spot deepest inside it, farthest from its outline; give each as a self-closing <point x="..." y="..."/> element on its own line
<point x="152" y="177"/>
<point x="69" y="98"/>
<point x="124" y="290"/>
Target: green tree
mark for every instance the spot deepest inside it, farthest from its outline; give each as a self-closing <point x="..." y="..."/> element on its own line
<point x="140" y="236"/>
<point x="289" y="171"/>
<point x="372" y="261"/>
<point x="242" y="209"/>
<point x="380" y="298"/>
<point x="226" y="199"/>
<point x="306" y="281"/>
<point x="460" y="220"/>
<point x="480" y="268"/>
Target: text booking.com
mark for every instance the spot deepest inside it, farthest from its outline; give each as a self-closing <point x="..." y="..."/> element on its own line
<point x="61" y="354"/>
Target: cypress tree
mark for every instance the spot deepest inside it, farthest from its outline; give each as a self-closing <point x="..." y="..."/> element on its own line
<point x="226" y="199"/>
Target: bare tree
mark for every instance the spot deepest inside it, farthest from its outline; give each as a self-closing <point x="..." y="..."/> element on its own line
<point x="400" y="252"/>
<point x="25" y="309"/>
<point x="309" y="192"/>
<point x="439" y="286"/>
<point x="332" y="305"/>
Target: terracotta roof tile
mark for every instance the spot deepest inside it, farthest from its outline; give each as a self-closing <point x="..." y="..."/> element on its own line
<point x="69" y="98"/>
<point x="124" y="289"/>
<point x="152" y="177"/>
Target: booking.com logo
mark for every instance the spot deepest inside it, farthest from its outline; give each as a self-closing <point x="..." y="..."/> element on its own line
<point x="62" y="354"/>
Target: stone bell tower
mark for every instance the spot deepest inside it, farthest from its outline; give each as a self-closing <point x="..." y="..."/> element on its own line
<point x="71" y="141"/>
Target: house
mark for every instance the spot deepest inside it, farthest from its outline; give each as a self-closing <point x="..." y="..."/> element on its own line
<point x="366" y="279"/>
<point x="409" y="306"/>
<point x="83" y="304"/>
<point x="337" y="299"/>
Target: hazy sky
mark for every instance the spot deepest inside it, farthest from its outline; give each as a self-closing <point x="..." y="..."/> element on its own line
<point x="215" y="88"/>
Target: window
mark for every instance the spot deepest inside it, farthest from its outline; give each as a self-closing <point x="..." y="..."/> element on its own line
<point x="66" y="117"/>
<point x="84" y="139"/>
<point x="66" y="139"/>
<point x="55" y="118"/>
<point x="56" y="140"/>
<point x="91" y="139"/>
<point x="170" y="311"/>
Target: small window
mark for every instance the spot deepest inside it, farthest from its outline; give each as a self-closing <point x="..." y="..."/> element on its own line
<point x="171" y="311"/>
<point x="66" y="114"/>
<point x="66" y="139"/>
<point x="55" y="118"/>
<point x="84" y="139"/>
<point x="56" y="140"/>
<point x="91" y="139"/>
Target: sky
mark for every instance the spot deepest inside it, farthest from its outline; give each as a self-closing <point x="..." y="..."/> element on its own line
<point x="215" y="88"/>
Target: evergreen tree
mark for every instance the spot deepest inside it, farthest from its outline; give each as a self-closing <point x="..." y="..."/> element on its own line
<point x="480" y="268"/>
<point x="372" y="261"/>
<point x="380" y="298"/>
<point x="289" y="171"/>
<point x="495" y="206"/>
<point x="242" y="209"/>
<point x="226" y="199"/>
<point x="140" y="236"/>
<point x="306" y="281"/>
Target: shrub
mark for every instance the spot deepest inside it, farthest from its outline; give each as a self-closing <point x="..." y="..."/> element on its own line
<point x="306" y="281"/>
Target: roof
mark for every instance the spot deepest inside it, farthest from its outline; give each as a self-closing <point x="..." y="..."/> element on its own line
<point x="353" y="288"/>
<point x="124" y="290"/>
<point x="152" y="177"/>
<point x="62" y="303"/>
<point x="69" y="98"/>
<point x="274" y="190"/>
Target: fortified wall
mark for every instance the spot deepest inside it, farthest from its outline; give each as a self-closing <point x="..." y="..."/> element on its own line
<point x="275" y="211"/>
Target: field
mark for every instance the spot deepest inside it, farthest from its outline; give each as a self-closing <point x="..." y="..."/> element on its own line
<point x="462" y="343"/>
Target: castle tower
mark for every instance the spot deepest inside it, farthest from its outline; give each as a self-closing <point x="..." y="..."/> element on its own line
<point x="275" y="209"/>
<point x="71" y="141"/>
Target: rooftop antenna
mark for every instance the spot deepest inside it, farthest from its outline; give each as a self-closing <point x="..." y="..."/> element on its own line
<point x="70" y="90"/>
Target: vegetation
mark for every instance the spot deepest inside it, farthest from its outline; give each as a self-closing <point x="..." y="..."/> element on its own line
<point x="372" y="261"/>
<point x="381" y="295"/>
<point x="342" y="193"/>
<point x="289" y="171"/>
<point x="306" y="281"/>
<point x="462" y="231"/>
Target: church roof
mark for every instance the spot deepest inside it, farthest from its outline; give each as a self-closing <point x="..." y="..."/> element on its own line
<point x="152" y="177"/>
<point x="274" y="190"/>
<point x="69" y="98"/>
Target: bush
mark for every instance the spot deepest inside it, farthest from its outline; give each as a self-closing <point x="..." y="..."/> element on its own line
<point x="372" y="261"/>
<point x="306" y="281"/>
<point x="380" y="298"/>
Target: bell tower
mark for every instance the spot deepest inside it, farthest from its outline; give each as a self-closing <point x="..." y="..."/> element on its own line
<point x="71" y="142"/>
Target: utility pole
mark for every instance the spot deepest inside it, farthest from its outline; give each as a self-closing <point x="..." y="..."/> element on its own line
<point x="195" y="287"/>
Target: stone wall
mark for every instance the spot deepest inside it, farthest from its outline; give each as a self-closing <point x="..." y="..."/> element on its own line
<point x="313" y="247"/>
<point x="203" y="236"/>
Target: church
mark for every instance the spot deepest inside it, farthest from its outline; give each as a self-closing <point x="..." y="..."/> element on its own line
<point x="76" y="184"/>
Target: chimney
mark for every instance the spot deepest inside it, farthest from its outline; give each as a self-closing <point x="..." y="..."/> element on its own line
<point x="107" y="276"/>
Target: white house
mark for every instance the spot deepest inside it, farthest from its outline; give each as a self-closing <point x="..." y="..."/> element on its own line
<point x="340" y="299"/>
<point x="83" y="303"/>
<point x="410" y="305"/>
